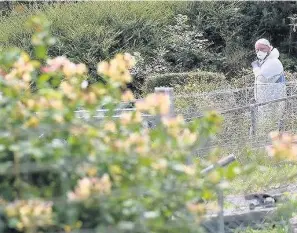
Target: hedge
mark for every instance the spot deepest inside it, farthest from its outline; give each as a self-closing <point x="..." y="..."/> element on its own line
<point x="182" y="79"/>
<point x="89" y="32"/>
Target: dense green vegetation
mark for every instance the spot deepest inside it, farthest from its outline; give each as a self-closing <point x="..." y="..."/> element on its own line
<point x="108" y="174"/>
<point x="211" y="36"/>
<point x="191" y="46"/>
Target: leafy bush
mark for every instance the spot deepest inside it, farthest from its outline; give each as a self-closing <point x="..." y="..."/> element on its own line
<point x="166" y="36"/>
<point x="198" y="81"/>
<point x="185" y="44"/>
<point x="233" y="28"/>
<point x="183" y="48"/>
<point x="93" y="31"/>
<point x="200" y="92"/>
<point x="111" y="174"/>
<point x="190" y="98"/>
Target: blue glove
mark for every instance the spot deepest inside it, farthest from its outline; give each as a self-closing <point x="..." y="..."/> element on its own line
<point x="255" y="64"/>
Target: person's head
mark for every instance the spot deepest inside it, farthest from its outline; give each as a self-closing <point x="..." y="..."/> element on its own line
<point x="263" y="48"/>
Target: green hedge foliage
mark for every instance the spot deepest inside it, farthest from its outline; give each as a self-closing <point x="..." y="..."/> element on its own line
<point x="199" y="78"/>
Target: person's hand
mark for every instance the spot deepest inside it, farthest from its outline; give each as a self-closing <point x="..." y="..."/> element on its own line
<point x="255" y="64"/>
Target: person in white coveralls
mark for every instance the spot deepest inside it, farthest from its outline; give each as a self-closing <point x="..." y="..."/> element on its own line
<point x="269" y="85"/>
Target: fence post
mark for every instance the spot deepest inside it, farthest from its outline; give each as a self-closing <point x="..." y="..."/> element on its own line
<point x="281" y="121"/>
<point x="169" y="92"/>
<point x="221" y="223"/>
<point x="253" y="120"/>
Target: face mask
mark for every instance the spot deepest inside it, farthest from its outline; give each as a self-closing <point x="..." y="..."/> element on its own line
<point x="261" y="55"/>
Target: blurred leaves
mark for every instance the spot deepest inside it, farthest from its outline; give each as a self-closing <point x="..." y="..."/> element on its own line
<point x="58" y="145"/>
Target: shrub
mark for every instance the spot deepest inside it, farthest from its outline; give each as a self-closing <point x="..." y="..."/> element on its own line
<point x="183" y="48"/>
<point x="190" y="91"/>
<point x="114" y="175"/>
<point x="289" y="63"/>
<point x="197" y="81"/>
<point x="167" y="35"/>
<point x="93" y="31"/>
<point x="200" y="91"/>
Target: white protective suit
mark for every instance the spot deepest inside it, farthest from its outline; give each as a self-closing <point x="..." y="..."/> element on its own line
<point x="269" y="85"/>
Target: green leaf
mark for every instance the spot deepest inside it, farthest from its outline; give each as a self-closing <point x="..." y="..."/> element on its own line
<point x="40" y="51"/>
<point x="42" y="80"/>
<point x="207" y="194"/>
<point x="232" y="171"/>
<point x="12" y="222"/>
<point x="8" y="57"/>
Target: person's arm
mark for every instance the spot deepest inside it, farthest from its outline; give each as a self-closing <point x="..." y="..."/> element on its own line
<point x="257" y="72"/>
<point x="268" y="72"/>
